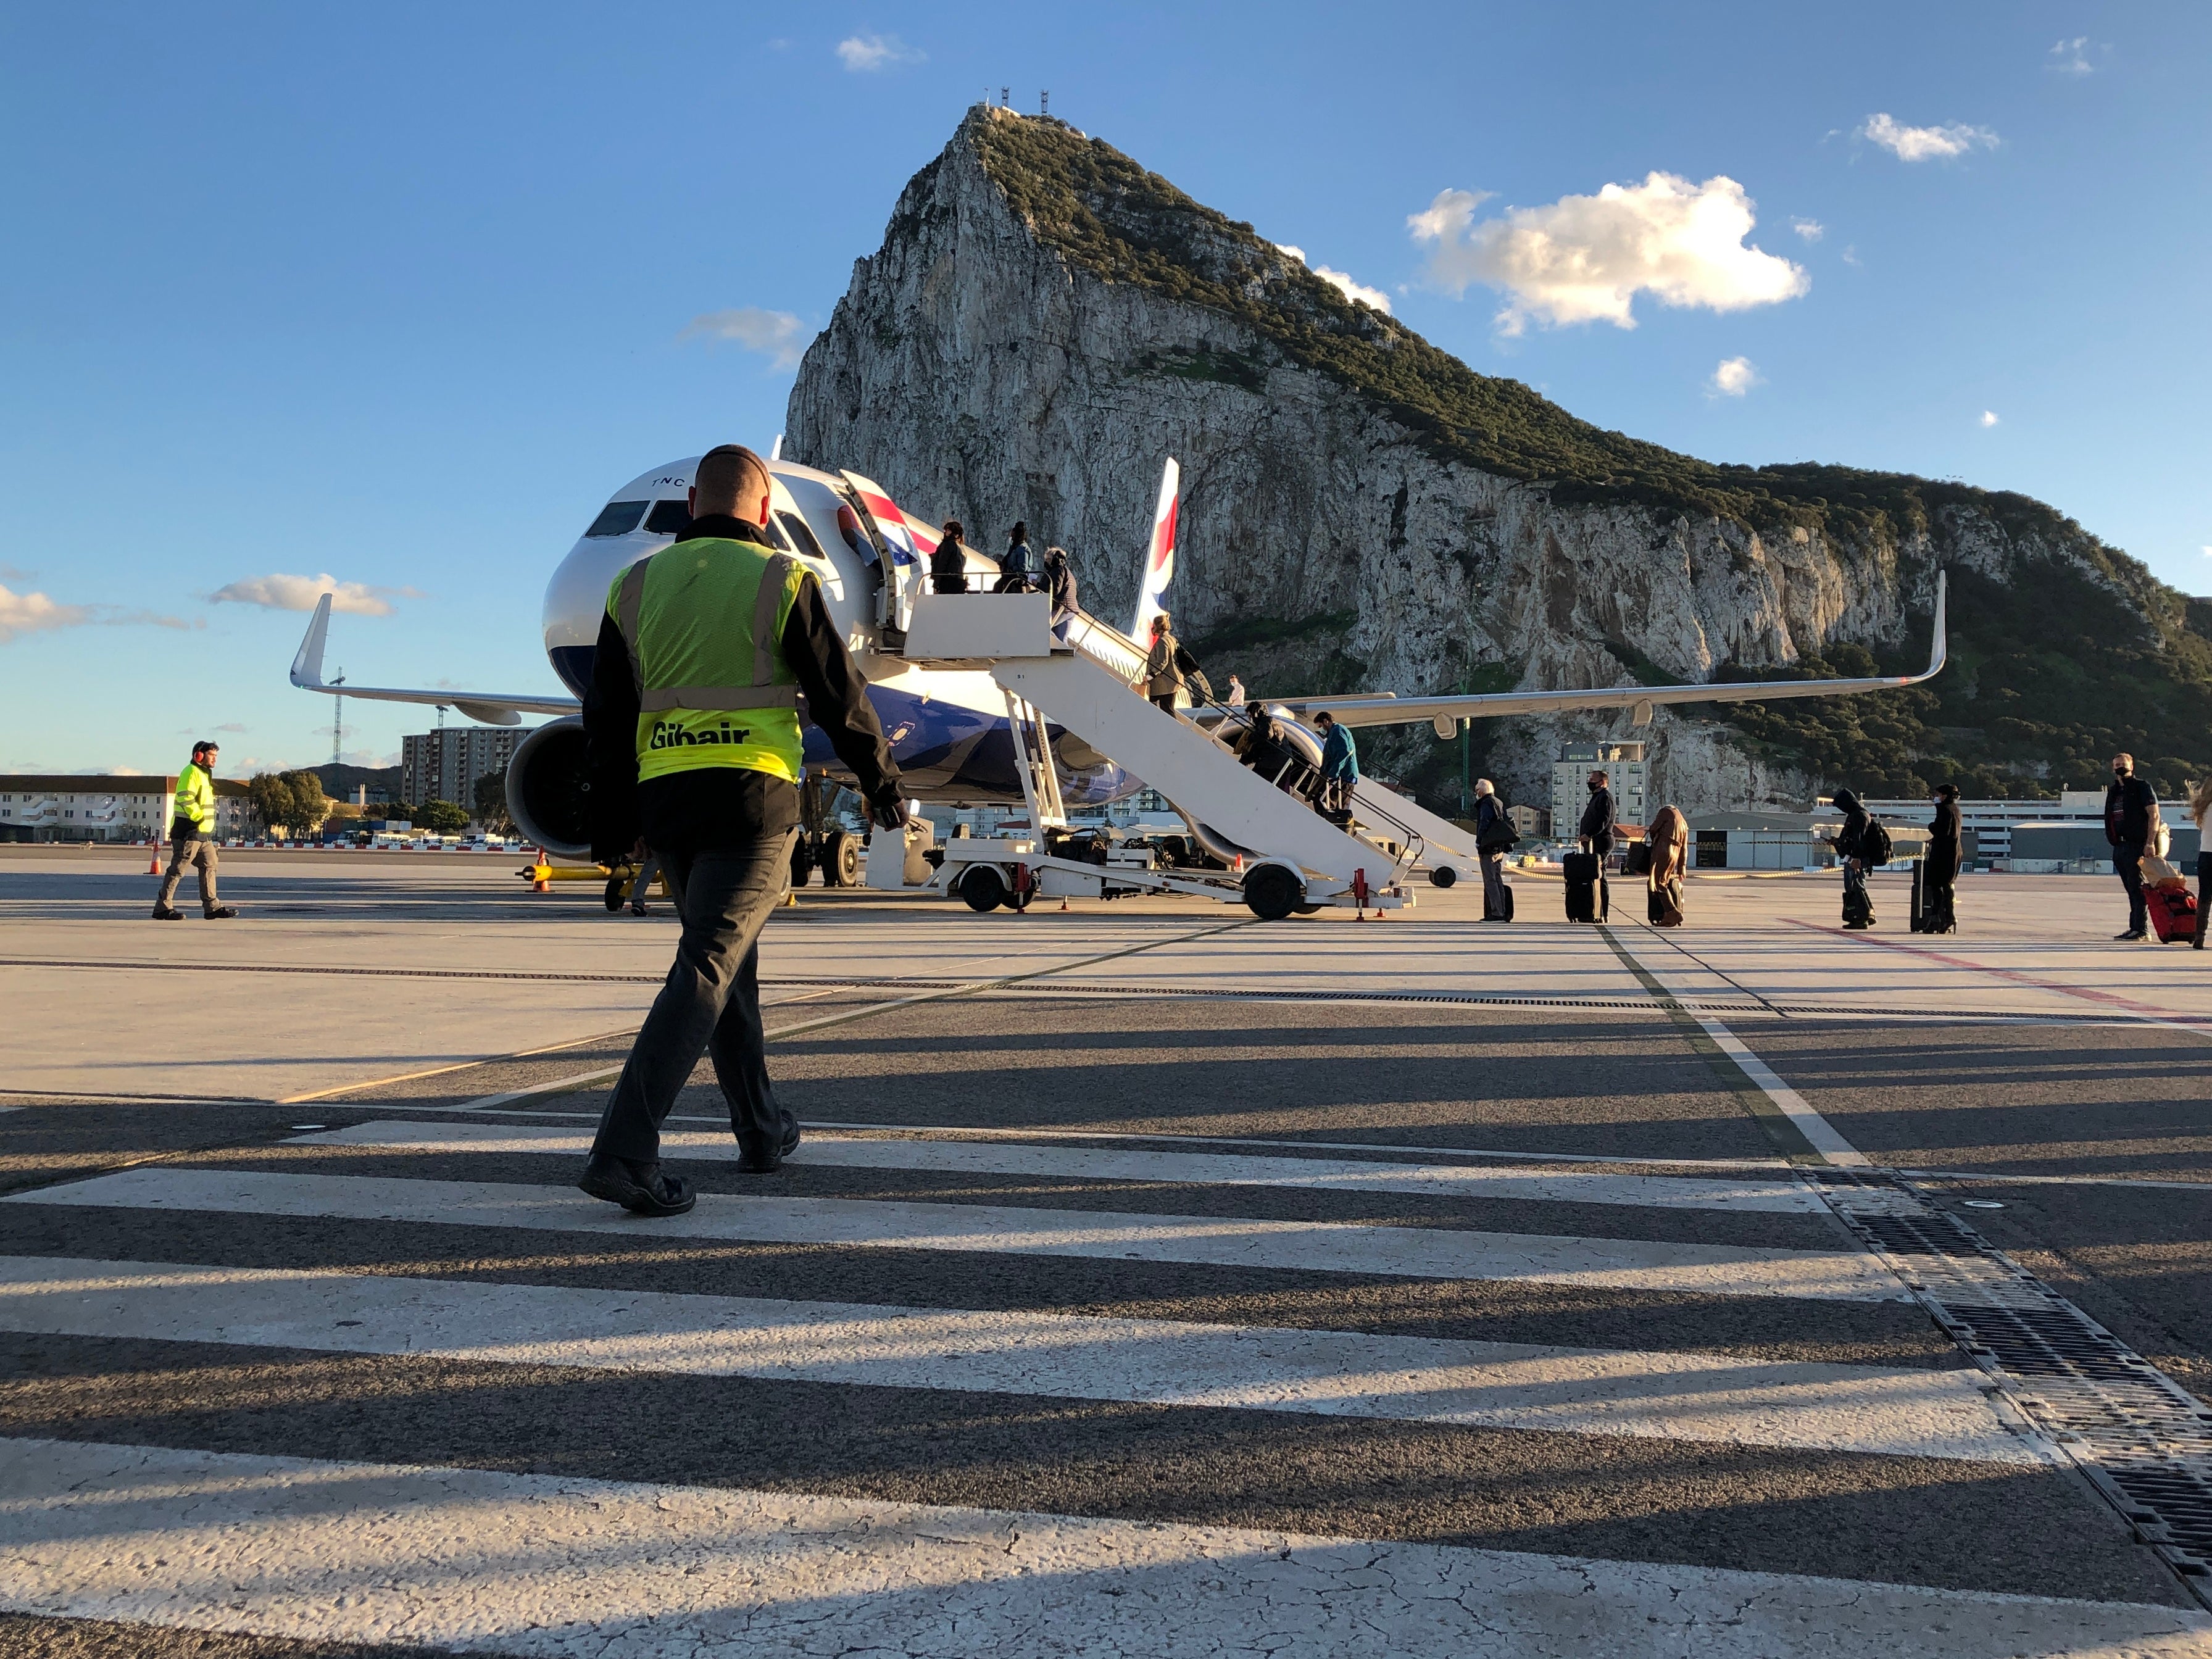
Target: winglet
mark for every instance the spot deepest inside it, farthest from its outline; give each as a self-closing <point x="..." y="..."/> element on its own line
<point x="1941" y="647"/>
<point x="307" y="666"/>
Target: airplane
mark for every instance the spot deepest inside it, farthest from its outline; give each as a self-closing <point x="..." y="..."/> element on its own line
<point x="949" y="728"/>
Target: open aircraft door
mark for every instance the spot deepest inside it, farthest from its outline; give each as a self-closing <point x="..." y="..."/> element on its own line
<point x="904" y="558"/>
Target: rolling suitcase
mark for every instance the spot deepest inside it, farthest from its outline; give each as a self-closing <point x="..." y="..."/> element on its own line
<point x="2173" y="913"/>
<point x="1585" y="883"/>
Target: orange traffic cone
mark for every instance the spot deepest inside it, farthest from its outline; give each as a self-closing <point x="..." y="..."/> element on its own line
<point x="541" y="874"/>
<point x="154" y="859"/>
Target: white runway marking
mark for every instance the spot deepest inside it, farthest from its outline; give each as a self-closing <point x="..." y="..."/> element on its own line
<point x="1821" y="1135"/>
<point x="1781" y="1195"/>
<point x="1654" y="1395"/>
<point x="1211" y="1241"/>
<point x="548" y="1566"/>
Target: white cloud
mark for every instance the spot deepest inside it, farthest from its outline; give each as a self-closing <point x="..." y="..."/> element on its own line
<point x="776" y="335"/>
<point x="1989" y="418"/>
<point x="1347" y="285"/>
<point x="1811" y="229"/>
<point x="864" y="54"/>
<point x="35" y="613"/>
<point x="1852" y="253"/>
<point x="1734" y="377"/>
<point x="1924" y="143"/>
<point x="1584" y="258"/>
<point x="283" y="592"/>
<point x="2071" y="56"/>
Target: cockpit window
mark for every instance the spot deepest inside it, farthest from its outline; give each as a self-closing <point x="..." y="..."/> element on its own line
<point x="668" y="518"/>
<point x="775" y="536"/>
<point x="802" y="534"/>
<point x="617" y="519"/>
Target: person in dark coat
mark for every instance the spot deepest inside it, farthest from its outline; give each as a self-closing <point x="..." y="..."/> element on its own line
<point x="1599" y="820"/>
<point x="2130" y="825"/>
<point x="1060" y="581"/>
<point x="1493" y="829"/>
<point x="1021" y="571"/>
<point x="1939" y="871"/>
<point x="948" y="565"/>
<point x="1849" y="845"/>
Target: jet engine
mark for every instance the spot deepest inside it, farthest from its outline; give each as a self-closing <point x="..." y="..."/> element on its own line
<point x="549" y="789"/>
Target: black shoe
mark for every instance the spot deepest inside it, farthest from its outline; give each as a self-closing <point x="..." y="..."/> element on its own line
<point x="2133" y="936"/>
<point x="756" y="1158"/>
<point x="640" y="1189"/>
<point x="166" y="914"/>
<point x="222" y="913"/>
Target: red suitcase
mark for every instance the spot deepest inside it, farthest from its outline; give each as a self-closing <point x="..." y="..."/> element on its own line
<point x="2173" y="913"/>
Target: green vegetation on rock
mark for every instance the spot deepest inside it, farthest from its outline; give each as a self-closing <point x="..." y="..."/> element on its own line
<point x="2082" y="653"/>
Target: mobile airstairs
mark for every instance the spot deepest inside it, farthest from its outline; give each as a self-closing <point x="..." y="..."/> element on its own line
<point x="1278" y="855"/>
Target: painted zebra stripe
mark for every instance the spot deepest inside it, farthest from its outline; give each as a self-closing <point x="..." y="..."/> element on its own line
<point x="1747" y="1193"/>
<point x="1679" y="1397"/>
<point x="1207" y="1240"/>
<point x="544" y="1566"/>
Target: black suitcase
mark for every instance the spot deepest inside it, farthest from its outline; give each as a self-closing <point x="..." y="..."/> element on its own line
<point x="1506" y="912"/>
<point x="1586" y="895"/>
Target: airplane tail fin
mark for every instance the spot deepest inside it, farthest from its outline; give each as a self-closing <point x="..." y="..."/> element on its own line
<point x="308" y="666"/>
<point x="1159" y="555"/>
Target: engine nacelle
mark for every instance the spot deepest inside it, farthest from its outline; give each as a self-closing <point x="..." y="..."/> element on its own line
<point x="549" y="789"/>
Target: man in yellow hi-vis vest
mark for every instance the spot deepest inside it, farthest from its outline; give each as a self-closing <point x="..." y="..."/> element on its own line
<point x="692" y="726"/>
<point x="191" y="838"/>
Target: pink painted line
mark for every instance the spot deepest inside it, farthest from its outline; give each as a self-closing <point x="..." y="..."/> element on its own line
<point x="2163" y="1015"/>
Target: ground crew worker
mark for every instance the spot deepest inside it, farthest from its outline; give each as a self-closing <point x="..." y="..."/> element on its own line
<point x="692" y="724"/>
<point x="191" y="838"/>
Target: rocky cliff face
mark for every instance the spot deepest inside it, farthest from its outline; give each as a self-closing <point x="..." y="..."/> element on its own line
<point x="1045" y="322"/>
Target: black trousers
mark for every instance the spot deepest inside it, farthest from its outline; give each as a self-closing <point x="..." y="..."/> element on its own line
<point x="2128" y="861"/>
<point x="710" y="1001"/>
<point x="1858" y="904"/>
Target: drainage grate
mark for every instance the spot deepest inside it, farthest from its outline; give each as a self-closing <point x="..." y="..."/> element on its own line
<point x="2143" y="1441"/>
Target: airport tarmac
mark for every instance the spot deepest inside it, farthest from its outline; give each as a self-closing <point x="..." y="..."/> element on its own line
<point x="1150" y="1276"/>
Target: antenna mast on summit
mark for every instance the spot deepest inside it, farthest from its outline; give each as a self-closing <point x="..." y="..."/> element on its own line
<point x="1044" y="102"/>
<point x="1006" y="97"/>
<point x="337" y="714"/>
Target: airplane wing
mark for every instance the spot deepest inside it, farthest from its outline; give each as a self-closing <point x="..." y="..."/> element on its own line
<point x="1445" y="712"/>
<point x="491" y="707"/>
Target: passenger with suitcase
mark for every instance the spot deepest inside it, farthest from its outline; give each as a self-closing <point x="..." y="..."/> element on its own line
<point x="1939" y="870"/>
<point x="1587" y="897"/>
<point x="1493" y="839"/>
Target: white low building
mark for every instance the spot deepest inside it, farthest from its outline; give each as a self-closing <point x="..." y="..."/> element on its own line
<point x="35" y="806"/>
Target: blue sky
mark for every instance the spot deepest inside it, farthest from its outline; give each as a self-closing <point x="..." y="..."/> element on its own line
<point x="398" y="294"/>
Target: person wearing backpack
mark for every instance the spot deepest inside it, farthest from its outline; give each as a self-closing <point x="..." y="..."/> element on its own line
<point x="1493" y="839"/>
<point x="1862" y="845"/>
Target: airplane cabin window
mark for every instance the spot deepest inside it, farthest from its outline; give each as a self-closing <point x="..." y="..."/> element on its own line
<point x="668" y="518"/>
<point x="617" y="519"/>
<point x="775" y="538"/>
<point x="803" y="536"/>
